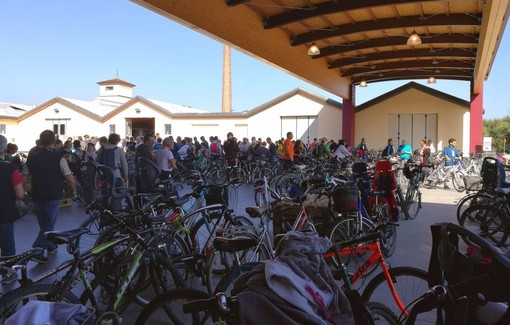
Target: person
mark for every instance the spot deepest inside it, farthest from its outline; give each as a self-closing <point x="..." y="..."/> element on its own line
<point x="231" y="151"/>
<point x="118" y="163"/>
<point x="243" y="149"/>
<point x="215" y="148"/>
<point x="78" y="151"/>
<point x="341" y="151"/>
<point x="46" y="169"/>
<point x="324" y="148"/>
<point x="145" y="149"/>
<point x="262" y="152"/>
<point x="424" y="152"/>
<point x="332" y="145"/>
<point x="404" y="150"/>
<point x="11" y="190"/>
<point x="288" y="151"/>
<point x="450" y="155"/>
<point x="430" y="144"/>
<point x="299" y="149"/>
<point x="197" y="145"/>
<point x="272" y="151"/>
<point x="389" y="150"/>
<point x="91" y="152"/>
<point x="204" y="141"/>
<point x="362" y="150"/>
<point x="165" y="159"/>
<point x="184" y="152"/>
<point x="157" y="144"/>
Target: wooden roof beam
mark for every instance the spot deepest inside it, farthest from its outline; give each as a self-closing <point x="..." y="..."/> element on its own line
<point x="395" y="40"/>
<point x="422" y="53"/>
<point x="326" y="8"/>
<point x="385" y="24"/>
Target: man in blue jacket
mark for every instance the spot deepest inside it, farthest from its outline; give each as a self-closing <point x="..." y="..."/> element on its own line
<point x="450" y="154"/>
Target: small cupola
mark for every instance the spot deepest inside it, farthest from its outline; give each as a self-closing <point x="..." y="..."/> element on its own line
<point x="115" y="87"/>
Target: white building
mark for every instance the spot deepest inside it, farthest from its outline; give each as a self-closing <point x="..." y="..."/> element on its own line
<point x="306" y="114"/>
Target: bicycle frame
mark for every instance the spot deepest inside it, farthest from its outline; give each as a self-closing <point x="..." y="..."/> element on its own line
<point x="375" y="258"/>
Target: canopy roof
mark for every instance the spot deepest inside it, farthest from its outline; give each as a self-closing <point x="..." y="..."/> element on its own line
<point x="358" y="40"/>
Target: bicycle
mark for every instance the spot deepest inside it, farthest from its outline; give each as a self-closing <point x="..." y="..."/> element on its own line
<point x="118" y="280"/>
<point x="403" y="284"/>
<point x="469" y="288"/>
<point x="412" y="201"/>
<point x="161" y="310"/>
<point x="442" y="174"/>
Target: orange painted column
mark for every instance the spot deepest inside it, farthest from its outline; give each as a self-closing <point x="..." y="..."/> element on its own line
<point x="348" y="117"/>
<point x="476" y="122"/>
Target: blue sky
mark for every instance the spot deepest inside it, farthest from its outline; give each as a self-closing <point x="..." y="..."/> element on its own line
<point x="62" y="48"/>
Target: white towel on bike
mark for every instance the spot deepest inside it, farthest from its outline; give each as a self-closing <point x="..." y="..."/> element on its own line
<point x="300" y="276"/>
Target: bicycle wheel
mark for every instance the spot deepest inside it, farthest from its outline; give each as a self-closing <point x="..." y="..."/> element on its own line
<point x="289" y="186"/>
<point x="17" y="298"/>
<point x="479" y="198"/>
<point x="410" y="283"/>
<point x="261" y="200"/>
<point x="458" y="180"/>
<point x="219" y="176"/>
<point x="401" y="201"/>
<point x="412" y="202"/>
<point x="348" y="229"/>
<point x="167" y="309"/>
<point x="486" y="221"/>
<point x="382" y="314"/>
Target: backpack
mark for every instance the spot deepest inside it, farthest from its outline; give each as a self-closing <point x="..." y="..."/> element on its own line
<point x="73" y="161"/>
<point x="107" y="158"/>
<point x="214" y="147"/>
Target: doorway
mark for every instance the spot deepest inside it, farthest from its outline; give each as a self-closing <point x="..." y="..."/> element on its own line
<point x="140" y="126"/>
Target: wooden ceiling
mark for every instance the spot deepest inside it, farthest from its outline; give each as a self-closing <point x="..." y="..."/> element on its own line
<point x="358" y="39"/>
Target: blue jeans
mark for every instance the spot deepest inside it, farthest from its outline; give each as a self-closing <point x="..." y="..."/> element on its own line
<point x="46" y="212"/>
<point x="7" y="245"/>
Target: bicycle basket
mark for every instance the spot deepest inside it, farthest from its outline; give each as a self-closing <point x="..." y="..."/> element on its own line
<point x="216" y="195"/>
<point x="345" y="199"/>
<point x="473" y="183"/>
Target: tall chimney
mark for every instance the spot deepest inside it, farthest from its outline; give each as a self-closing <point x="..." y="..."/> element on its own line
<point x="226" y="100"/>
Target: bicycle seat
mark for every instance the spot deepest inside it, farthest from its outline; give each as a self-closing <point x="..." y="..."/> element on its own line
<point x="253" y="212"/>
<point x="378" y="193"/>
<point x="22" y="258"/>
<point x="64" y="237"/>
<point x="232" y="245"/>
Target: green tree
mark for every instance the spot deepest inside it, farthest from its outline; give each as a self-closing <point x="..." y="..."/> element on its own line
<point x="499" y="130"/>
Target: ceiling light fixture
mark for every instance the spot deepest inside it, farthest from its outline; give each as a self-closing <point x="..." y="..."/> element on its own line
<point x="363" y="83"/>
<point x="414" y="39"/>
<point x="431" y="80"/>
<point x="314" y="50"/>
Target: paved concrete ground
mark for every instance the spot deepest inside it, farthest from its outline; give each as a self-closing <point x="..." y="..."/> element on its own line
<point x="413" y="243"/>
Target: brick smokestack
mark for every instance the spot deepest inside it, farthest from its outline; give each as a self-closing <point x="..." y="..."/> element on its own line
<point x="226" y="100"/>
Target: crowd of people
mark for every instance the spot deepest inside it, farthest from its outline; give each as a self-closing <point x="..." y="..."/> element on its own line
<point x="52" y="161"/>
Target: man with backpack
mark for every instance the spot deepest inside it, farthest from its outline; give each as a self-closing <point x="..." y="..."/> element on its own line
<point x="215" y="148"/>
<point x="389" y="150"/>
<point x="231" y="150"/>
<point x="114" y="157"/>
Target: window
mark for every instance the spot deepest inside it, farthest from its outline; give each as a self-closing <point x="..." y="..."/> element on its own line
<point x="3" y="128"/>
<point x="62" y="129"/>
<point x="55" y="128"/>
<point x="109" y="87"/>
<point x="168" y="128"/>
<point x="112" y="128"/>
